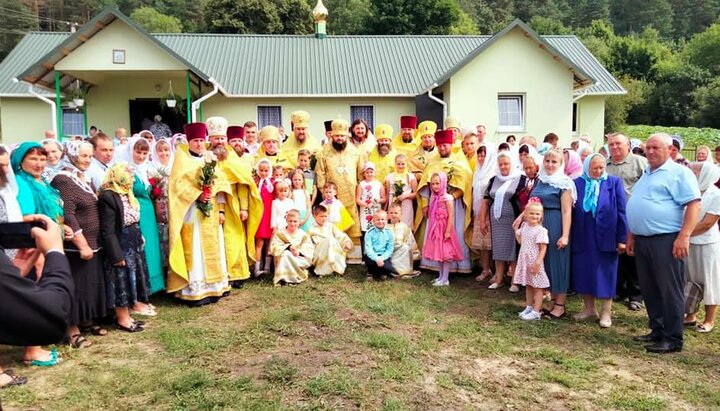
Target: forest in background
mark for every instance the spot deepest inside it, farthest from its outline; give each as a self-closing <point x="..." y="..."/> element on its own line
<point x="666" y="53"/>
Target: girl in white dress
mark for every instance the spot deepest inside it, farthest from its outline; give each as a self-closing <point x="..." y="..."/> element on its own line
<point x="301" y="199"/>
<point x="404" y="184"/>
<point x="369" y="196"/>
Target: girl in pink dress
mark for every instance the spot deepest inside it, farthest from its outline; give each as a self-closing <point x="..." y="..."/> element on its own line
<point x="441" y="244"/>
<point x="264" y="232"/>
<point x="530" y="269"/>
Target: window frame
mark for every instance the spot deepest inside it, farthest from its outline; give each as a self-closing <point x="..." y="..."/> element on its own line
<point x="371" y="122"/>
<point x="76" y="111"/>
<point x="279" y="107"/>
<point x="521" y="97"/>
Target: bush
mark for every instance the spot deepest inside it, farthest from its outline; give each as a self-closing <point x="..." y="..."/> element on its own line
<point x="692" y="136"/>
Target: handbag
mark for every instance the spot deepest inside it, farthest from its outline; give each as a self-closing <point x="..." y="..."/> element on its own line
<point x="693" y="296"/>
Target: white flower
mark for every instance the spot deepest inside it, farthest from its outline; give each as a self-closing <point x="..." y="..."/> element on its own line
<point x="209" y="157"/>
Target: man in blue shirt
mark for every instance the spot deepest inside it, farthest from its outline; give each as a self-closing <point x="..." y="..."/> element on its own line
<point x="379" y="244"/>
<point x="662" y="213"/>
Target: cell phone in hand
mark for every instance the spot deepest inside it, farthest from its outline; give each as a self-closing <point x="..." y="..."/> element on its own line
<point x="17" y="235"/>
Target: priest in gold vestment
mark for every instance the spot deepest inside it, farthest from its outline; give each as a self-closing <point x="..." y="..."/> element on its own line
<point x="341" y="163"/>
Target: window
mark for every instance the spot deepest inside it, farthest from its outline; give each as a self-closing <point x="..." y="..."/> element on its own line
<point x="73" y="122"/>
<point x="575" y="118"/>
<point x="269" y="116"/>
<point x="366" y="113"/>
<point x="511" y="116"/>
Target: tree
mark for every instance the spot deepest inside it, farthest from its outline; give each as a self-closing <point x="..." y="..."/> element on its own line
<point x="693" y="16"/>
<point x="708" y="105"/>
<point x="618" y="107"/>
<point x="15" y="21"/>
<point x="546" y="25"/>
<point x="637" y="56"/>
<point x="348" y="16"/>
<point x="258" y="16"/>
<point x="413" y="17"/>
<point x="490" y="16"/>
<point x="156" y="22"/>
<point x="633" y="18"/>
<point x="703" y="50"/>
<point x="584" y="12"/>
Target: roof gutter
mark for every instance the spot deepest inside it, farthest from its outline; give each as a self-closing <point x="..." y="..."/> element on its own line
<point x="196" y="104"/>
<point x="437" y="100"/>
<point x="53" y="111"/>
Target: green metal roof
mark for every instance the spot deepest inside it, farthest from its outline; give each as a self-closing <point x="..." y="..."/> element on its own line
<point x="29" y="50"/>
<point x="286" y="65"/>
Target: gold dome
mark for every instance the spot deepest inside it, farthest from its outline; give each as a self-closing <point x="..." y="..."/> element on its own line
<point x="320" y="12"/>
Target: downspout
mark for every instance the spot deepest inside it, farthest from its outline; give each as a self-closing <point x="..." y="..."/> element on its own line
<point x="52" y="109"/>
<point x="437" y="100"/>
<point x="196" y="104"/>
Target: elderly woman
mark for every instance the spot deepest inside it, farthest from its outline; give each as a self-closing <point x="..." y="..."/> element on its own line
<point x="501" y="206"/>
<point x="599" y="232"/>
<point x="162" y="160"/>
<point x="557" y="193"/>
<point x="82" y="216"/>
<point x="703" y="263"/>
<point x="479" y="242"/>
<point x="702" y="153"/>
<point x="54" y="158"/>
<point x="36" y="196"/>
<point x="9" y="207"/>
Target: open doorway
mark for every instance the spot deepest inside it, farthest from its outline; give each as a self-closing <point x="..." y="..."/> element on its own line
<point x="143" y="110"/>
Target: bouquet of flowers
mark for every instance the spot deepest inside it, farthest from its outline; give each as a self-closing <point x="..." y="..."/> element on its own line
<point x="398" y="188"/>
<point x="158" y="184"/>
<point x="206" y="180"/>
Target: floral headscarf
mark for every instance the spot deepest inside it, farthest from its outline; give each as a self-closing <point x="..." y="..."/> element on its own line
<point x="69" y="164"/>
<point x="119" y="179"/>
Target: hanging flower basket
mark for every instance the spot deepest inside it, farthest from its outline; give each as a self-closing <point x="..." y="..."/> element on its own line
<point x="171" y="102"/>
<point x="79" y="102"/>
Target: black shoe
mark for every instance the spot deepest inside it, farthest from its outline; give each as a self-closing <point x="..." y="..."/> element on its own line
<point x="663" y="347"/>
<point x="647" y="338"/>
<point x="237" y="284"/>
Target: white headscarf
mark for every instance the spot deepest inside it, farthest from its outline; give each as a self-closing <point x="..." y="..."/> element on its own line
<point x="9" y="193"/>
<point x="709" y="175"/>
<point x="507" y="181"/>
<point x="482" y="175"/>
<point x="267" y="180"/>
<point x="125" y="153"/>
<point x="156" y="159"/>
<point x="558" y="179"/>
<point x="532" y="152"/>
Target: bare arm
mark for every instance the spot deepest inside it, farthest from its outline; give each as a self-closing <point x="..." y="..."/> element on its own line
<point x="566" y="204"/>
<point x="682" y="242"/>
<point x="708" y="221"/>
<point x="451" y="218"/>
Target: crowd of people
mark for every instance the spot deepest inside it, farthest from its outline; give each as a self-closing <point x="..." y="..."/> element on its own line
<point x="200" y="212"/>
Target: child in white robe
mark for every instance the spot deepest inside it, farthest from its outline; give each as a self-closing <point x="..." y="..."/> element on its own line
<point x="331" y="244"/>
<point x="405" y="249"/>
<point x="293" y="251"/>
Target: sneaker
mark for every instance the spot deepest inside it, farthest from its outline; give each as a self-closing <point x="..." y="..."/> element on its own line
<point x="531" y="316"/>
<point x="514" y="288"/>
<point x="525" y="311"/>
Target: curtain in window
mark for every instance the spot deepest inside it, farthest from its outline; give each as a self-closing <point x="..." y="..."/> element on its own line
<point x="269" y="116"/>
<point x="73" y="122"/>
<point x="365" y="112"/>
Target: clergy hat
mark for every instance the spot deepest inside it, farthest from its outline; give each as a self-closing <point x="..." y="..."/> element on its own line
<point x="426" y="127"/>
<point x="195" y="130"/>
<point x="452" y="122"/>
<point x="217" y="126"/>
<point x="340" y="127"/>
<point x="300" y="119"/>
<point x="383" y="132"/>
<point x="328" y="125"/>
<point x="269" y="133"/>
<point x="234" y="132"/>
<point x="408" y="122"/>
<point x="444" y="137"/>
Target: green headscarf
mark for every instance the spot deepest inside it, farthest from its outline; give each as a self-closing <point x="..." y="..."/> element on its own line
<point x="46" y="198"/>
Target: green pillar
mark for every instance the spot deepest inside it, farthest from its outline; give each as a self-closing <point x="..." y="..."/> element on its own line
<point x="200" y="113"/>
<point x="85" y="125"/>
<point x="188" y="96"/>
<point x="58" y="106"/>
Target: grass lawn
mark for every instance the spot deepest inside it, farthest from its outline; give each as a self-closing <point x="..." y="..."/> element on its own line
<point x="341" y="343"/>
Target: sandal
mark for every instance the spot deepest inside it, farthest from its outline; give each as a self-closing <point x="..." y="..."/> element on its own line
<point x="550" y="315"/>
<point x="704" y="328"/>
<point x="94" y="330"/>
<point x="78" y="341"/>
<point x="484" y="275"/>
<point x="690" y="324"/>
<point x="134" y="328"/>
<point x="15" y="380"/>
<point x="147" y="312"/>
<point x="53" y="361"/>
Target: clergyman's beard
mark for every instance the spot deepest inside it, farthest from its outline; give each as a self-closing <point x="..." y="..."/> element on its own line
<point x="408" y="139"/>
<point x="446" y="155"/>
<point x="429" y="148"/>
<point x="339" y="146"/>
<point x="239" y="150"/>
<point x="383" y="149"/>
<point x="220" y="151"/>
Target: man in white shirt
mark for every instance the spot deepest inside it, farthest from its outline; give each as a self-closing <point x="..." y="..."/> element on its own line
<point x="103" y="152"/>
